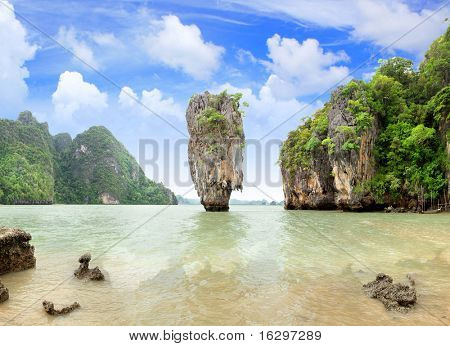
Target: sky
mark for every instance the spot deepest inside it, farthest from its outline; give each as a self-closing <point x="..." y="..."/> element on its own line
<point x="133" y="65"/>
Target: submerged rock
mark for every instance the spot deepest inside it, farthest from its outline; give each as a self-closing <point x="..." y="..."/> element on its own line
<point x="4" y="293"/>
<point x="83" y="271"/>
<point x="215" y="147"/>
<point x="49" y="308"/>
<point x="397" y="297"/>
<point x="16" y="253"/>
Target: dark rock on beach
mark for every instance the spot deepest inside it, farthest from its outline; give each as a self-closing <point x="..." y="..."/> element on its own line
<point x="49" y="308"/>
<point x="83" y="271"/>
<point x="397" y="296"/>
<point x="16" y="253"/>
<point x="4" y="293"/>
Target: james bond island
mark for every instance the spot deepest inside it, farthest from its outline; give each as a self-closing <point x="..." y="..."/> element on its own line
<point x="215" y="147"/>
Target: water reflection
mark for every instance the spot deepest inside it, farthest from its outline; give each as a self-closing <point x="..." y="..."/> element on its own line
<point x="204" y="285"/>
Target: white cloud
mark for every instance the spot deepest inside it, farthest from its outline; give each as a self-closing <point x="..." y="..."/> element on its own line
<point x="105" y="39"/>
<point x="15" y="50"/>
<point x="180" y="46"/>
<point x="153" y="99"/>
<point x="74" y="94"/>
<point x="378" y="21"/>
<point x="244" y="55"/>
<point x="72" y="40"/>
<point x="367" y="76"/>
<point x="302" y="68"/>
<point x="385" y="22"/>
<point x="127" y="98"/>
<point x="265" y="107"/>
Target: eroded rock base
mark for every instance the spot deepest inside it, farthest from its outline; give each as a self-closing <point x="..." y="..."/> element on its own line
<point x="16" y="253"/>
<point x="216" y="207"/>
<point x="397" y="297"/>
<point x="49" y="308"/>
<point x="83" y="272"/>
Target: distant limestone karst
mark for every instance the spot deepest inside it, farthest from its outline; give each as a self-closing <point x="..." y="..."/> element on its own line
<point x="93" y="168"/>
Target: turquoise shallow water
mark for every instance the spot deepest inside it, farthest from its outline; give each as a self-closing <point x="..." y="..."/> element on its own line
<point x="256" y="265"/>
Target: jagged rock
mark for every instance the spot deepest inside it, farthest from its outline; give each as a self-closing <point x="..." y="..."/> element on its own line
<point x="310" y="188"/>
<point x="16" y="253"/>
<point x="49" y="308"/>
<point x="4" y="293"/>
<point x="331" y="179"/>
<point x="215" y="148"/>
<point x="350" y="168"/>
<point x="83" y="272"/>
<point x="397" y="297"/>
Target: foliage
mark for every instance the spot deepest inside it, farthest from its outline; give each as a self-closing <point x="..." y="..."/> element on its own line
<point x="439" y="105"/>
<point x="435" y="68"/>
<point x="312" y="143"/>
<point x="212" y="119"/>
<point x="36" y="167"/>
<point x="399" y="69"/>
<point x="328" y="142"/>
<point x="410" y="110"/>
<point x="26" y="161"/>
<point x="97" y="163"/>
<point x="296" y="150"/>
<point x="293" y="152"/>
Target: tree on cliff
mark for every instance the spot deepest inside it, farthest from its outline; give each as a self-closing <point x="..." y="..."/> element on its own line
<point x="399" y="120"/>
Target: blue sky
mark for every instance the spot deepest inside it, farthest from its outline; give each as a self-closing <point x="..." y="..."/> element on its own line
<point x="282" y="55"/>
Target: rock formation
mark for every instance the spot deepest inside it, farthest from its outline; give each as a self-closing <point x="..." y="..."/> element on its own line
<point x="215" y="147"/>
<point x="83" y="272"/>
<point x="394" y="296"/>
<point x="331" y="171"/>
<point x="375" y="144"/>
<point x="16" y="253"/>
<point x="4" y="293"/>
<point x="49" y="308"/>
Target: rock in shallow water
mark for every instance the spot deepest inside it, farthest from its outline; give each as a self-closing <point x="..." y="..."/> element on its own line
<point x="83" y="271"/>
<point x="215" y="148"/>
<point x="397" y="297"/>
<point x="16" y="253"/>
<point x="49" y="308"/>
<point x="4" y="293"/>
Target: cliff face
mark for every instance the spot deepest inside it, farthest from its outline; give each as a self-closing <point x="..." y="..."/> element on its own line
<point x="215" y="148"/>
<point x="353" y="167"/>
<point x="312" y="187"/>
<point x="16" y="253"/>
<point x="36" y="168"/>
<point x="336" y="161"/>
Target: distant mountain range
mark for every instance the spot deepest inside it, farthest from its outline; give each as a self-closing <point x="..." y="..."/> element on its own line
<point x="194" y="201"/>
<point x="93" y="168"/>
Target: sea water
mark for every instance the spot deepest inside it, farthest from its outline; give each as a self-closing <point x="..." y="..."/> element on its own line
<point x="255" y="265"/>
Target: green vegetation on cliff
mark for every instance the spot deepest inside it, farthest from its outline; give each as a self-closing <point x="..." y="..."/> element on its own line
<point x="93" y="168"/>
<point x="409" y="111"/>
<point x="26" y="161"/>
<point x="97" y="166"/>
